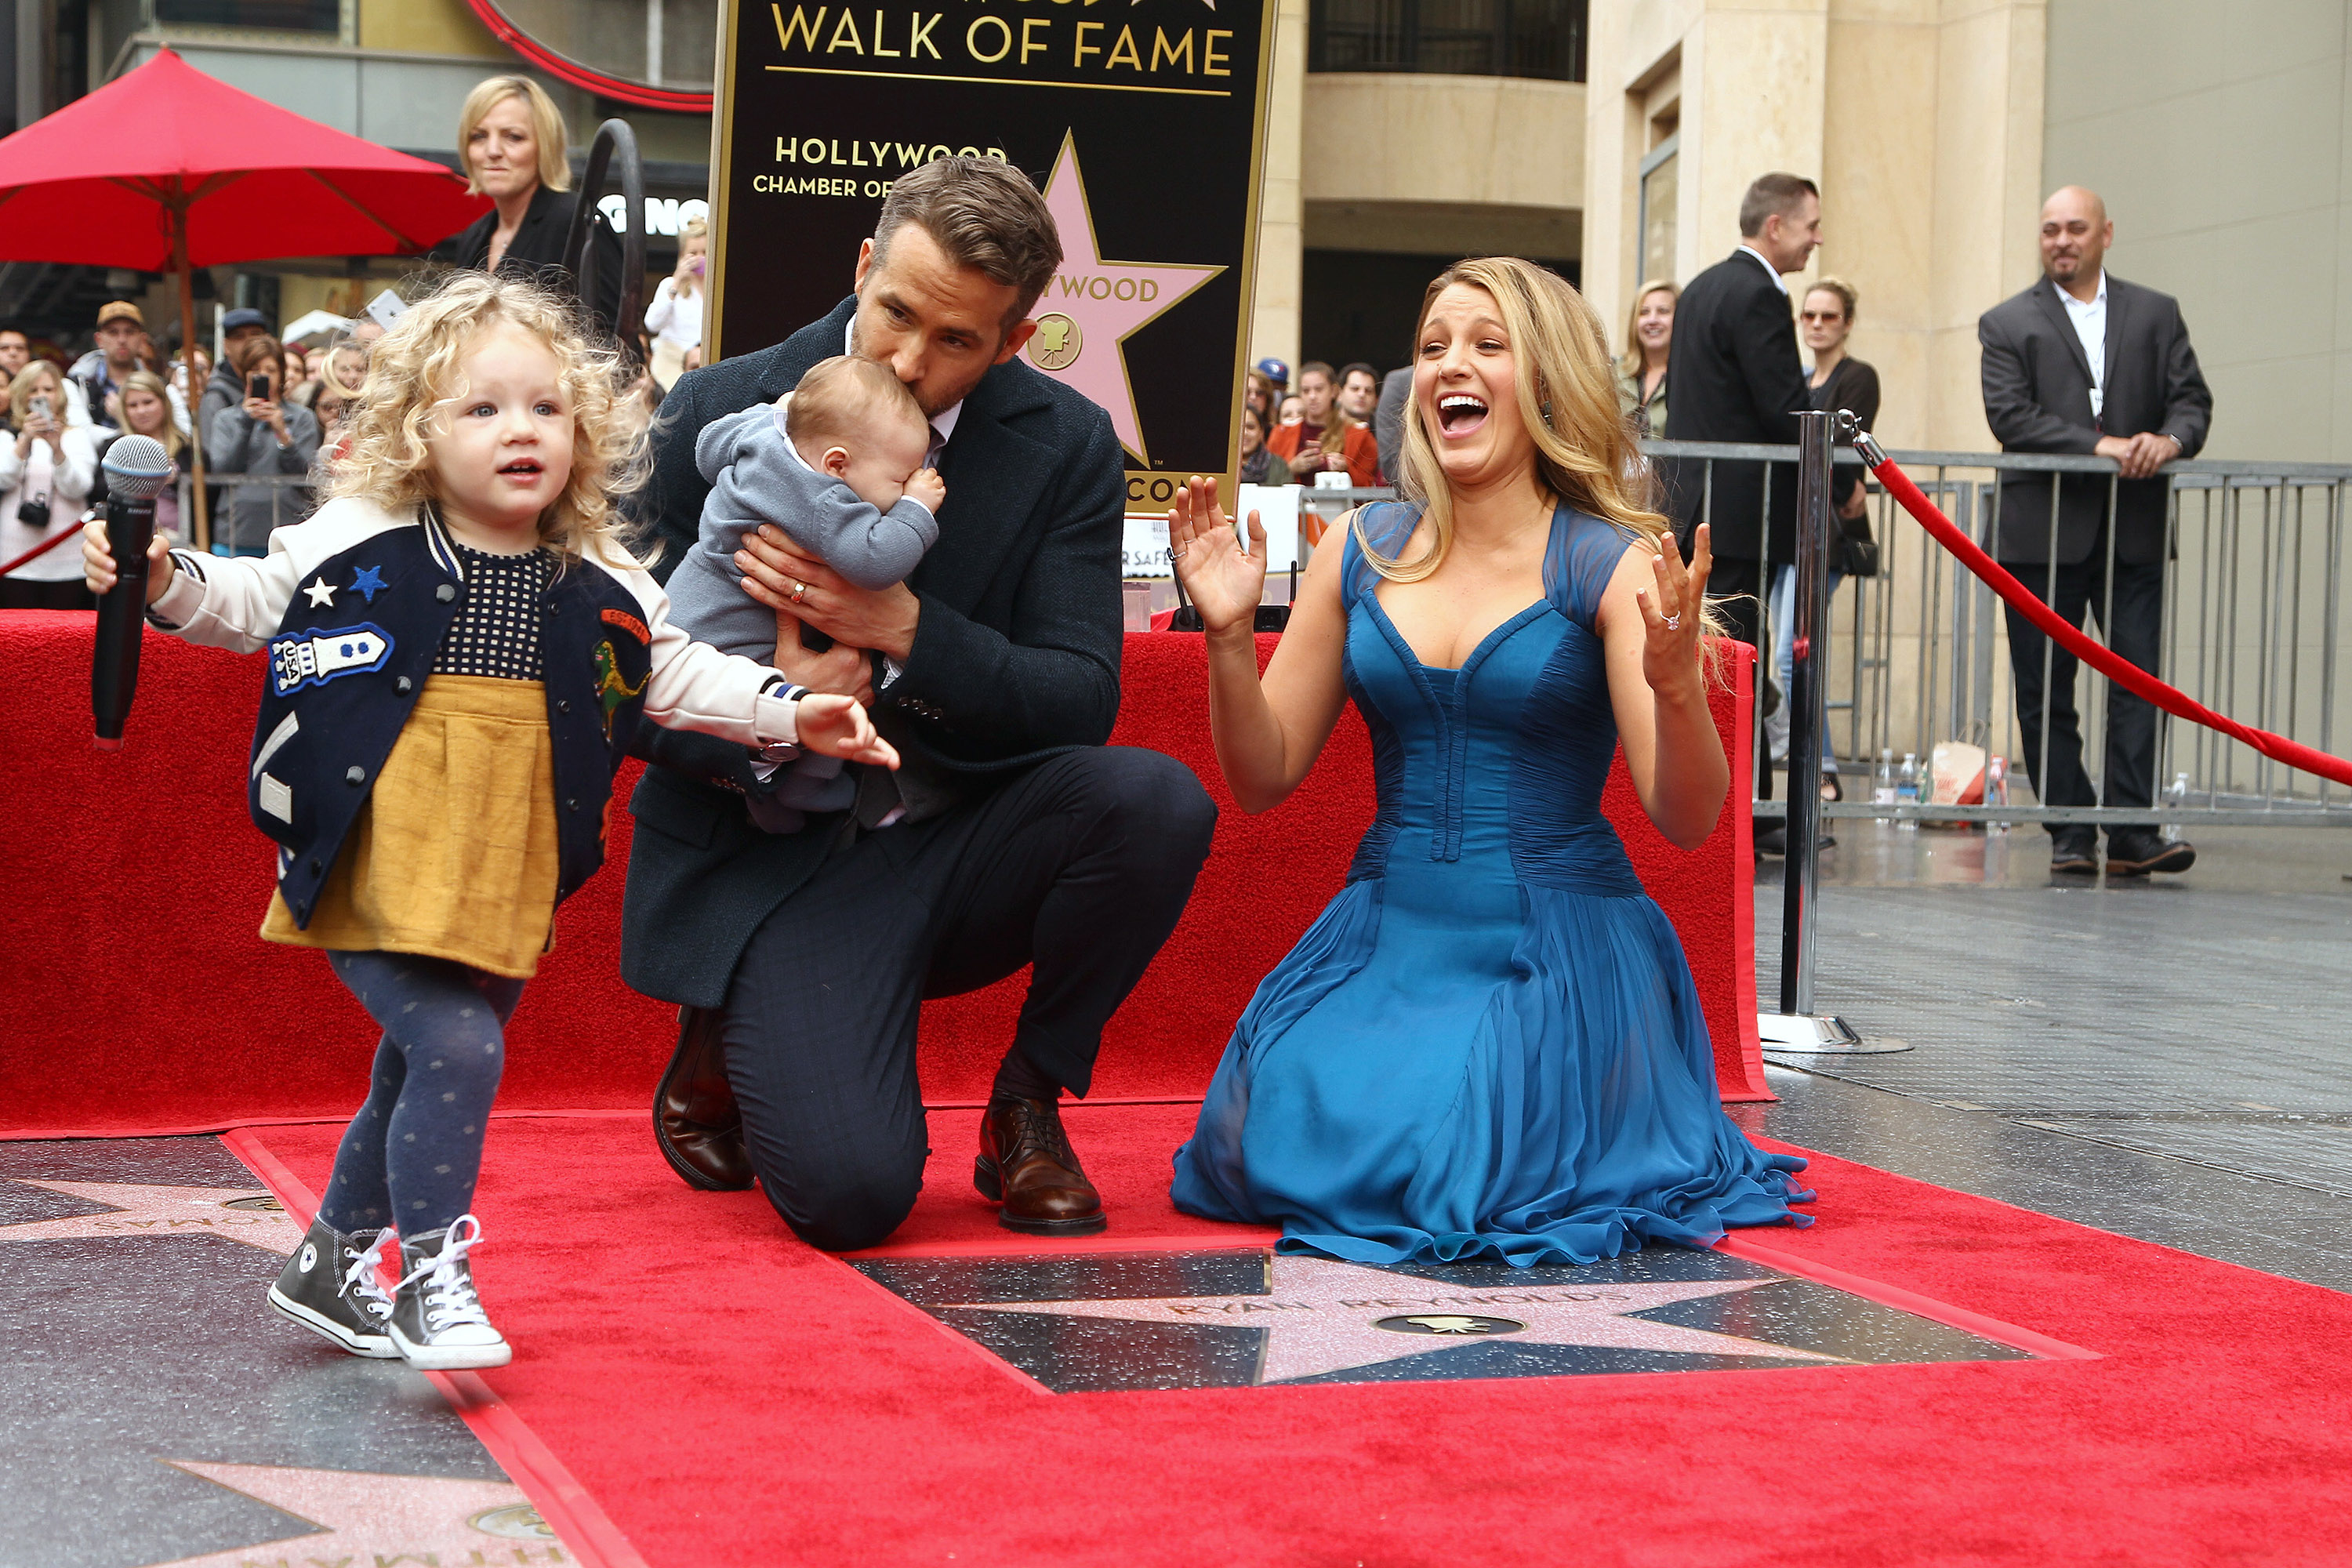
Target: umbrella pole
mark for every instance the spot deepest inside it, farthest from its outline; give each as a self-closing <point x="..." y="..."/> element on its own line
<point x="204" y="531"/>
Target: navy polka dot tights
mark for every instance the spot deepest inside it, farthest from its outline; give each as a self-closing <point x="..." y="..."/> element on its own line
<point x="410" y="1156"/>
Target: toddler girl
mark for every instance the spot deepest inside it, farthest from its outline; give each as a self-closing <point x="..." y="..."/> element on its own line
<point x="460" y="647"/>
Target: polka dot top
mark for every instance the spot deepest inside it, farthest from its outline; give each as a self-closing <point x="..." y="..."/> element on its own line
<point x="497" y="629"/>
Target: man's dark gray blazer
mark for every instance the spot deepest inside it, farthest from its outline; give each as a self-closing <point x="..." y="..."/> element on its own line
<point x="1016" y="658"/>
<point x="2037" y="398"/>
<point x="1736" y="378"/>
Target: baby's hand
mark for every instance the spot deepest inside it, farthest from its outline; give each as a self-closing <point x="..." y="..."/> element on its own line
<point x="925" y="486"/>
<point x="838" y="726"/>
<point x="98" y="572"/>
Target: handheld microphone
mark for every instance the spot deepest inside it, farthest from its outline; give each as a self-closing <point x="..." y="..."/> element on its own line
<point x="136" y="468"/>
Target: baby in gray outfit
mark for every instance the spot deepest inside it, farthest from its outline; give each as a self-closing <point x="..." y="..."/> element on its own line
<point x="836" y="464"/>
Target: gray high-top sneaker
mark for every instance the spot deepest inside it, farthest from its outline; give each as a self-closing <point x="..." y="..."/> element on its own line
<point x="329" y="1287"/>
<point x="438" y="1322"/>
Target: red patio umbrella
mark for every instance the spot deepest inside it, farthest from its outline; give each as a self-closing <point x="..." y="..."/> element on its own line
<point x="166" y="169"/>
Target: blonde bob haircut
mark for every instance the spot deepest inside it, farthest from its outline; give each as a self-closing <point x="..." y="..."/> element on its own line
<point x="547" y="129"/>
<point x="412" y="381"/>
<point x="1584" y="452"/>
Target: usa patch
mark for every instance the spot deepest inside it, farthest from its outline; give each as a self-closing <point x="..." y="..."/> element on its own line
<point x="314" y="658"/>
<point x="629" y="624"/>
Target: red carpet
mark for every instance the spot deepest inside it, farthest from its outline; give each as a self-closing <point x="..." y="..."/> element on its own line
<point x="729" y="1396"/>
<point x="135" y="884"/>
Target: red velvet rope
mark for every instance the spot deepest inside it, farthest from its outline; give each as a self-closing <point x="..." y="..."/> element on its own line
<point x="2105" y="661"/>
<point x="42" y="548"/>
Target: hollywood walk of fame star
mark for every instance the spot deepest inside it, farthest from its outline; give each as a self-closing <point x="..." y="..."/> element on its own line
<point x="145" y="1210"/>
<point x="1322" y="1316"/>
<point x="363" y="1517"/>
<point x="1102" y="302"/>
<point x="322" y="594"/>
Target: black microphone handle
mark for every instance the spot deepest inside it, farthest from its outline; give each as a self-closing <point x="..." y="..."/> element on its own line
<point x="121" y="617"/>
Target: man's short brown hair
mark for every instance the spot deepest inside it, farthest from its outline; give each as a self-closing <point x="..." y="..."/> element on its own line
<point x="1772" y="195"/>
<point x="845" y="397"/>
<point x="986" y="216"/>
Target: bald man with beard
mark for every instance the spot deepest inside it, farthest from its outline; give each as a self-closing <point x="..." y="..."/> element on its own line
<point x="2085" y="362"/>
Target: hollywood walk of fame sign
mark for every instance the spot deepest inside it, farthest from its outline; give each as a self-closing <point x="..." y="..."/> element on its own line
<point x="1142" y="121"/>
<point x="360" y="1518"/>
<point x="1114" y="1322"/>
<point x="249" y="1214"/>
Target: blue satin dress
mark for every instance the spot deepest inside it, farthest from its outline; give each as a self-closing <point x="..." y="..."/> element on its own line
<point x="1488" y="1046"/>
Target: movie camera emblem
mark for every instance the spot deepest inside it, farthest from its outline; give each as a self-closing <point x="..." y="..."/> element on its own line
<point x="1057" y="342"/>
<point x="1455" y="1323"/>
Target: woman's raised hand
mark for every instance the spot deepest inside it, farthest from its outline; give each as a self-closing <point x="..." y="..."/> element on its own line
<point x="1673" y="615"/>
<point x="1225" y="580"/>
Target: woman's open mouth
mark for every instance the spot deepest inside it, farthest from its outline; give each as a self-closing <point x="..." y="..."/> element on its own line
<point x="1459" y="414"/>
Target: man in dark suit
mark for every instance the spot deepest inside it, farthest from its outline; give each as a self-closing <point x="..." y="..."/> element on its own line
<point x="2084" y="362"/>
<point x="1013" y="837"/>
<point x="1737" y="377"/>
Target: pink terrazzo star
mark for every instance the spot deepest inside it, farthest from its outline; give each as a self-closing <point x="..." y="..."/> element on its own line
<point x="364" y="1518"/>
<point x="145" y="1210"/>
<point x="1093" y="305"/>
<point x="1322" y="1316"/>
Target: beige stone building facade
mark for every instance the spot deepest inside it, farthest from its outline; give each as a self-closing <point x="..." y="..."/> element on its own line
<point x="2219" y="134"/>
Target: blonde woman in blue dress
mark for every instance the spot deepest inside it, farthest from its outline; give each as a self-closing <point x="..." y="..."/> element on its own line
<point x="1489" y="1045"/>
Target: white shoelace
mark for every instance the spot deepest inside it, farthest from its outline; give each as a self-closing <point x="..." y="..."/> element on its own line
<point x="449" y="1298"/>
<point x="361" y="1277"/>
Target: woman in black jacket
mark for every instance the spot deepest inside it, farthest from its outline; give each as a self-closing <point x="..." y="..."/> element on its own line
<point x="515" y="147"/>
<point x="1837" y="380"/>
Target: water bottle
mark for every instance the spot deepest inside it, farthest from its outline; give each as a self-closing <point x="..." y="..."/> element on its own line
<point x="1906" y="789"/>
<point x="1997" y="789"/>
<point x="2175" y="799"/>
<point x="1881" y="783"/>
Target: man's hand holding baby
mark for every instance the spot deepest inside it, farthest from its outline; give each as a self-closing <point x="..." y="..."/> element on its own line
<point x="924" y="485"/>
<point x="839" y="727"/>
<point x="782" y="576"/>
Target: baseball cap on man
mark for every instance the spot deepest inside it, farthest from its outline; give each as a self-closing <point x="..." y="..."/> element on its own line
<point x="244" y="316"/>
<point x="121" y="311"/>
<point x="1274" y="370"/>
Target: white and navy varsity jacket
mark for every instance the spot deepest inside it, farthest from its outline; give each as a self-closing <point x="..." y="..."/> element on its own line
<point x="353" y="605"/>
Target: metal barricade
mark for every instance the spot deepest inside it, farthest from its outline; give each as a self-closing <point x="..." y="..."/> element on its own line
<point x="2253" y="604"/>
<point x="292" y="498"/>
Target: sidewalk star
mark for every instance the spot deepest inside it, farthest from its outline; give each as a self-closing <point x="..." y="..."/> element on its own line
<point x="249" y="1214"/>
<point x="1321" y="1316"/>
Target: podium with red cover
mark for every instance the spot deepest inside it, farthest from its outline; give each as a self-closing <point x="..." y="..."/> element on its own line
<point x="143" y="1001"/>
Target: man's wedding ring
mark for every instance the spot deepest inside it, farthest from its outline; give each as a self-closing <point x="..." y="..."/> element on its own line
<point x="1674" y="622"/>
<point x="799" y="588"/>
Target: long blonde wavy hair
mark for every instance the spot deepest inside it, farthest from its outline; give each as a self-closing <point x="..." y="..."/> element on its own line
<point x="413" y="378"/>
<point x="1584" y="453"/>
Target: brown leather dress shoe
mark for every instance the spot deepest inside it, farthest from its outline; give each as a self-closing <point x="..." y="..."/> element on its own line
<point x="1026" y="1163"/>
<point x="695" y="1124"/>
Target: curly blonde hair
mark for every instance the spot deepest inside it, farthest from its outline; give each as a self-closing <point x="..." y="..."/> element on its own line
<point x="413" y="378"/>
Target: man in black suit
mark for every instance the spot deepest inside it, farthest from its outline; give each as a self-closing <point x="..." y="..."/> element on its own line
<point x="2084" y="362"/>
<point x="1013" y="837"/>
<point x="1737" y="377"/>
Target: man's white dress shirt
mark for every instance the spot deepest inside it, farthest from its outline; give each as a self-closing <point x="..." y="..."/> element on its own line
<point x="2090" y="319"/>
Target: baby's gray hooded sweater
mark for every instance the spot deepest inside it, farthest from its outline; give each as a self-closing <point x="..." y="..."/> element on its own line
<point x="757" y="477"/>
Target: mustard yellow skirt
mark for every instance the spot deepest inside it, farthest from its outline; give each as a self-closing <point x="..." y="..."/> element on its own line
<point x="454" y="854"/>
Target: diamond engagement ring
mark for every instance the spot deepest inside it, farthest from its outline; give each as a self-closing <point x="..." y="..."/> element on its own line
<point x="799" y="588"/>
<point x="1674" y="622"/>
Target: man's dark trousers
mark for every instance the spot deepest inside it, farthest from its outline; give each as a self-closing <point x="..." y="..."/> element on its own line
<point x="1081" y="866"/>
<point x="2133" y="629"/>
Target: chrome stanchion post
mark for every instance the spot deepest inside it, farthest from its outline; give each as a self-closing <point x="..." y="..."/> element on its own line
<point x="1796" y="1026"/>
